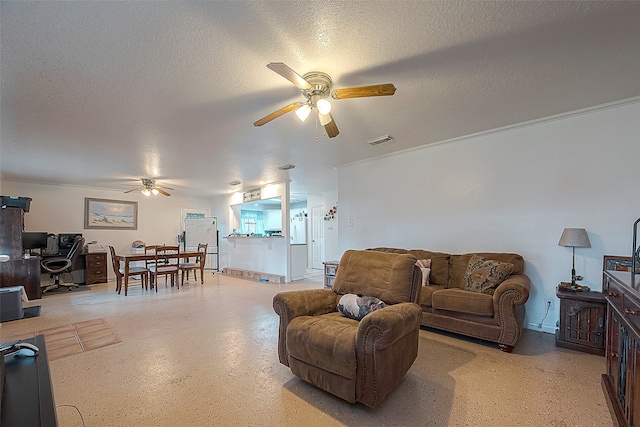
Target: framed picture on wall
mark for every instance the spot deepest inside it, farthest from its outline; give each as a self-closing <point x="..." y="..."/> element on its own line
<point x="108" y="214"/>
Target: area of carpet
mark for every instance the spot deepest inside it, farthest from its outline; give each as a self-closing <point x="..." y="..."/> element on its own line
<point x="78" y="337"/>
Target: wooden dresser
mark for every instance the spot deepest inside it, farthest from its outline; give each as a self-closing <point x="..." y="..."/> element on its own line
<point x="96" y="267"/>
<point x="621" y="382"/>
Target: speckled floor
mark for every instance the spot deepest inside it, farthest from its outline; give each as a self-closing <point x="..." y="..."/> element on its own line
<point x="205" y="355"/>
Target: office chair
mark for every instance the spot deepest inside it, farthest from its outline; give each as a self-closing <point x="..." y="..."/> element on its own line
<point x="56" y="266"/>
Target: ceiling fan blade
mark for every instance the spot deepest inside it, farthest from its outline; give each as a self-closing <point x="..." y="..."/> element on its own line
<point x="134" y="189"/>
<point x="331" y="128"/>
<point x="386" y="89"/>
<point x="284" y="110"/>
<point x="161" y="191"/>
<point x="286" y="72"/>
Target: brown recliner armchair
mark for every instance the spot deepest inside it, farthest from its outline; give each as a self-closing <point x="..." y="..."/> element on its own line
<point x="358" y="361"/>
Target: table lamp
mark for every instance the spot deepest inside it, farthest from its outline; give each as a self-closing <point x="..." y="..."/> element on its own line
<point x="575" y="238"/>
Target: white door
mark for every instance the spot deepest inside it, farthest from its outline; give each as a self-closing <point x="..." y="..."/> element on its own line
<point x="317" y="239"/>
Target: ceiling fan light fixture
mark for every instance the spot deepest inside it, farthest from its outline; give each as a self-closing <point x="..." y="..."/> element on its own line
<point x="325" y="119"/>
<point x="303" y="112"/>
<point x="146" y="192"/>
<point x="324" y="106"/>
<point x="154" y="191"/>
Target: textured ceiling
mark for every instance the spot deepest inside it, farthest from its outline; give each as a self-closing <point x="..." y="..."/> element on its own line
<point x="103" y="93"/>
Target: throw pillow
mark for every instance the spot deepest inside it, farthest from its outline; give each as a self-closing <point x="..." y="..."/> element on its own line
<point x="484" y="276"/>
<point x="357" y="306"/>
<point x="425" y="267"/>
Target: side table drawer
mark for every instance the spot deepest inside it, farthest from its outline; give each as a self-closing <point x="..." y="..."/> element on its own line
<point x="330" y="269"/>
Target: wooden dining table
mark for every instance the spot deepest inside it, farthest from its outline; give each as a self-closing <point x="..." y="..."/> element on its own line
<point x="129" y="258"/>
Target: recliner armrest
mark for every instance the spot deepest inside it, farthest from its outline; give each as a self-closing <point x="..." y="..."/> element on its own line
<point x="310" y="302"/>
<point x="387" y="325"/>
<point x="291" y="304"/>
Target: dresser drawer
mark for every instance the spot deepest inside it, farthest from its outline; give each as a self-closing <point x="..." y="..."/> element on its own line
<point x="96" y="268"/>
<point x="330" y="269"/>
<point x="97" y="260"/>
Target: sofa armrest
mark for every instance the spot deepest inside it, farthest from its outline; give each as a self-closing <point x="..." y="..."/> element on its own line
<point x="291" y="304"/>
<point x="516" y="287"/>
<point x="382" y="328"/>
<point x="511" y="293"/>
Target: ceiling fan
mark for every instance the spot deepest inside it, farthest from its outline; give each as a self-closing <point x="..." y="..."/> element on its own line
<point x="149" y="187"/>
<point x="316" y="88"/>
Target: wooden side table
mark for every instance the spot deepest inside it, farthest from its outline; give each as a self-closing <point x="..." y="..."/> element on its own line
<point x="582" y="321"/>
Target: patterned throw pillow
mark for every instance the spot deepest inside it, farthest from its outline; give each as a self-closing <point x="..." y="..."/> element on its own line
<point x="425" y="266"/>
<point x="357" y="306"/>
<point x="484" y="276"/>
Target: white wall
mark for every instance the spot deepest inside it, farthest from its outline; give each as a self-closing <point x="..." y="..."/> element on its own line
<point x="508" y="190"/>
<point x="60" y="209"/>
<point x="331" y="228"/>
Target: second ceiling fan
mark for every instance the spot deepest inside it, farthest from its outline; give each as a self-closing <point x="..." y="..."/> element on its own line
<point x="316" y="88"/>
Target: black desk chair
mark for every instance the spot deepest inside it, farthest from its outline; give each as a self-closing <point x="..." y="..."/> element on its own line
<point x="56" y="266"/>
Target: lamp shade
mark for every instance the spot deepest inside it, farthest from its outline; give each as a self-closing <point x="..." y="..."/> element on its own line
<point x="574" y="237"/>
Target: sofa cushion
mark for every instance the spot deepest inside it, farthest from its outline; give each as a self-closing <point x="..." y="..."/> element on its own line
<point x="427" y="292"/>
<point x="376" y="274"/>
<point x="357" y="306"/>
<point x="322" y="340"/>
<point x="463" y="301"/>
<point x="484" y="275"/>
<point x="439" y="274"/>
<point x="459" y="264"/>
<point x="425" y="268"/>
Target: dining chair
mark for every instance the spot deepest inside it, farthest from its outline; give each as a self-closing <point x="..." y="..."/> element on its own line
<point x="150" y="250"/>
<point x="143" y="272"/>
<point x="166" y="264"/>
<point x="198" y="264"/>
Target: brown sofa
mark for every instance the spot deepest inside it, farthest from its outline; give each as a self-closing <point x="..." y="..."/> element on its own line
<point x="497" y="318"/>
<point x="358" y="361"/>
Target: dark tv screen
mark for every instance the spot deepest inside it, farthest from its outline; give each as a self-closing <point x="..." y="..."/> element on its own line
<point x="34" y="240"/>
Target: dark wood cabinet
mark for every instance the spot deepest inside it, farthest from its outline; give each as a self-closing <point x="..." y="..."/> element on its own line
<point x="582" y="321"/>
<point x="22" y="272"/>
<point x="96" y="267"/>
<point x="17" y="271"/>
<point x="621" y="381"/>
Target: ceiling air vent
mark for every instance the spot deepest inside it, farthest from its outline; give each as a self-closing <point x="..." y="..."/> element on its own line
<point x="379" y="140"/>
<point x="236" y="182"/>
<point x="287" y="167"/>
